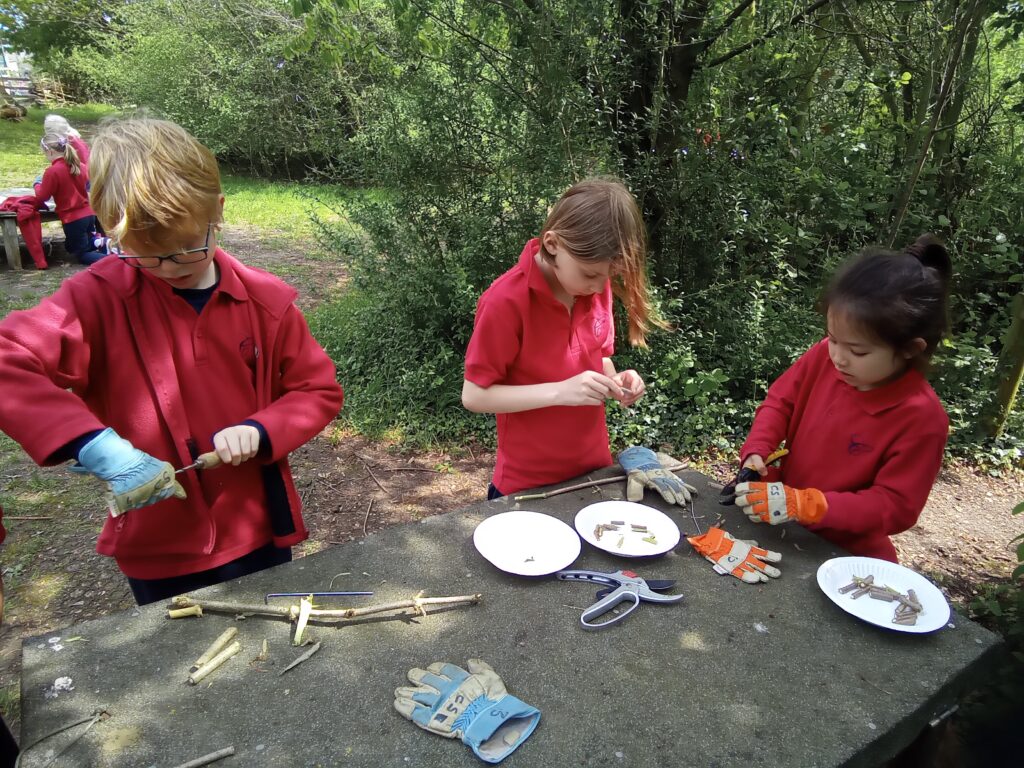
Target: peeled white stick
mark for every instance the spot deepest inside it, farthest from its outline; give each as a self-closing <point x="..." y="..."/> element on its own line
<point x="226" y="637"/>
<point x="213" y="663"/>
<point x="180" y="613"/>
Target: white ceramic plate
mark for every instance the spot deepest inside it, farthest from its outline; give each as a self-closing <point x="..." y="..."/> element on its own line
<point x="666" y="532"/>
<point x="839" y="571"/>
<point x="527" y="543"/>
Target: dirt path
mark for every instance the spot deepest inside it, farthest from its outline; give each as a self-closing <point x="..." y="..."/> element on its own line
<point x="352" y="487"/>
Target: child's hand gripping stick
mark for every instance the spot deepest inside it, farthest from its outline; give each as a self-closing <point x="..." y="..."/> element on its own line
<point x="134" y="478"/>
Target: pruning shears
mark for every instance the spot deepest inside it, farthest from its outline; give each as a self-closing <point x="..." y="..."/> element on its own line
<point x="749" y="475"/>
<point x="620" y="587"/>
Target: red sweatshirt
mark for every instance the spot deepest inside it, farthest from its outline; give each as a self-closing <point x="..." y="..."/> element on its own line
<point x="875" y="454"/>
<point x="114" y="346"/>
<point x="67" y="191"/>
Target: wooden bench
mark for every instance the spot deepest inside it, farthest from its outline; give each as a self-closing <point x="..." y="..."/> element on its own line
<point x="9" y="223"/>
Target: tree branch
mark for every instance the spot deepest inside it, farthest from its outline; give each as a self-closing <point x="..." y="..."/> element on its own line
<point x="766" y="36"/>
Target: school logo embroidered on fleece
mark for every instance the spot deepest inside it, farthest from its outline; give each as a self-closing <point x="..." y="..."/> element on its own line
<point x="249" y="351"/>
<point x="856" y="447"/>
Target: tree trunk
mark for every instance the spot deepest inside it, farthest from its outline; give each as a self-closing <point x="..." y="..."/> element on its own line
<point x="1009" y="371"/>
<point x="954" y="58"/>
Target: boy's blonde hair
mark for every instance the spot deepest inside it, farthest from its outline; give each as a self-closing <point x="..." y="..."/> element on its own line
<point x="149" y="174"/>
<point x="60" y="144"/>
<point x="598" y="219"/>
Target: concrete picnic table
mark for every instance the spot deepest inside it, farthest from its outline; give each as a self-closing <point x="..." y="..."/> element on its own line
<point x="9" y="223"/>
<point x="734" y="675"/>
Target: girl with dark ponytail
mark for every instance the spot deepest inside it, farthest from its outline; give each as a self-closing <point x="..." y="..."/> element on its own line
<point x="864" y="429"/>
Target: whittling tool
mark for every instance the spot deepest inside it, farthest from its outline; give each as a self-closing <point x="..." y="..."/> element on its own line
<point x="205" y="461"/>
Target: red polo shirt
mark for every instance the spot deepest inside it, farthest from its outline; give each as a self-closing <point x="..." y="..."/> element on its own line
<point x="524" y="335"/>
<point x="875" y="454"/>
<point x="67" y="191"/>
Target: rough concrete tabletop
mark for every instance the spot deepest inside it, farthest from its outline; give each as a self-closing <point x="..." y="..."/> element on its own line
<point x="734" y="675"/>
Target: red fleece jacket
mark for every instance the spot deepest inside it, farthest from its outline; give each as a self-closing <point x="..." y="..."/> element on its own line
<point x="68" y="191"/>
<point x="115" y="346"/>
<point x="875" y="454"/>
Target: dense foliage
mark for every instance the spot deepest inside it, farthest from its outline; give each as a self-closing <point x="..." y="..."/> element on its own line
<point x="765" y="142"/>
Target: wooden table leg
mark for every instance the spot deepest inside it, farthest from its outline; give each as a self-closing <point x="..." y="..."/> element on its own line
<point x="11" y="242"/>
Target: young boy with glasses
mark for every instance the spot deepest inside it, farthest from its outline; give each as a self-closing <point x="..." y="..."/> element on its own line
<point x="143" y="362"/>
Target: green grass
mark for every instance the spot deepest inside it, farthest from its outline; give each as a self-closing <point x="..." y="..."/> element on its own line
<point x="21" y="160"/>
<point x="280" y="210"/>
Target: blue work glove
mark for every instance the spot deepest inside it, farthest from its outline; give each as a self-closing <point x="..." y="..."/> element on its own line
<point x="645" y="470"/>
<point x="38" y="181"/>
<point x="134" y="479"/>
<point x="473" y="706"/>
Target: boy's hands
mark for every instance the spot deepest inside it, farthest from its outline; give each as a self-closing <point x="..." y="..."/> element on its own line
<point x="776" y="503"/>
<point x="134" y="478"/>
<point x="237" y="444"/>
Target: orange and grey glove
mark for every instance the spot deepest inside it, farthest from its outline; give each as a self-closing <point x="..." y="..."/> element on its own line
<point x="742" y="559"/>
<point x="776" y="503"/>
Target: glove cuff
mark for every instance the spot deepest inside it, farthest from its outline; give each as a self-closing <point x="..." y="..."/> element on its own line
<point x="637" y="457"/>
<point x="811" y="506"/>
<point x="500" y="727"/>
<point x="106" y="454"/>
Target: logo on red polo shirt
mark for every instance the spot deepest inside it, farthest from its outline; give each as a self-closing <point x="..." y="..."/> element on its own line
<point x="600" y="326"/>
<point x="856" y="447"/>
<point x="249" y="351"/>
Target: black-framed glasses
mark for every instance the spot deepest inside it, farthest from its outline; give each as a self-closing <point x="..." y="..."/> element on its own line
<point x="186" y="256"/>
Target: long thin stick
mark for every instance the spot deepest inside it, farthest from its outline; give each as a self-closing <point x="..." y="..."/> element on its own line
<point x="588" y="484"/>
<point x="292" y="612"/>
<point x="367" y="515"/>
<point x="207" y="759"/>
<point x="367" y="468"/>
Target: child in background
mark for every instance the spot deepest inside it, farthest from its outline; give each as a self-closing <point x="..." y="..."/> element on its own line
<point x="864" y="429"/>
<point x="143" y="362"/>
<point x="60" y="126"/>
<point x="540" y="354"/>
<point x="66" y="181"/>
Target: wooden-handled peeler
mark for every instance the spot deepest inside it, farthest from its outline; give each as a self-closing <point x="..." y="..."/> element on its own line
<point x="205" y="461"/>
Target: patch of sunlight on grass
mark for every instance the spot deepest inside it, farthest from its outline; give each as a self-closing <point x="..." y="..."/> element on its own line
<point x="339" y="433"/>
<point x="44" y="589"/>
<point x="21" y="160"/>
<point x="281" y="209"/>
